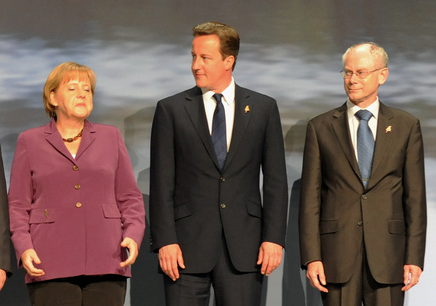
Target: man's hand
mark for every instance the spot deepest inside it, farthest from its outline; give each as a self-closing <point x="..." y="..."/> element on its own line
<point x="2" y="278"/>
<point x="132" y="246"/>
<point x="315" y="273"/>
<point x="411" y="276"/>
<point x="28" y="258"/>
<point x="170" y="259"/>
<point x="270" y="256"/>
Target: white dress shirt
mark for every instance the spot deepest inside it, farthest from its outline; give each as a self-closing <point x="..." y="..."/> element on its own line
<point x="228" y="101"/>
<point x="353" y="121"/>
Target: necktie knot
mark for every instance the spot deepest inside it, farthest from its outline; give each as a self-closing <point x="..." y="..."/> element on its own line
<point x="217" y="97"/>
<point x="364" y="114"/>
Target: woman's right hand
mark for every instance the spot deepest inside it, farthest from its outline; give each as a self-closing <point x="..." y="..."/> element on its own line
<point x="27" y="259"/>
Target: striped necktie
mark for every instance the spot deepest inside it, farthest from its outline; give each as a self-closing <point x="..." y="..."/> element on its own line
<point x="219" y="138"/>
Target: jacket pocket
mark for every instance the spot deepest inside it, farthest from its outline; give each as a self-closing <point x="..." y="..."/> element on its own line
<point x="111" y="211"/>
<point x="328" y="227"/>
<point x="397" y="227"/>
<point x="254" y="209"/>
<point x="182" y="211"/>
<point x="42" y="215"/>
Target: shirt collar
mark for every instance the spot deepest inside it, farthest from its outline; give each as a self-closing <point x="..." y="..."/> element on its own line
<point x="228" y="94"/>
<point x="353" y="108"/>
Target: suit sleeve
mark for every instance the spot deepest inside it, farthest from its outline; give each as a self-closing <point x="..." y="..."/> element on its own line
<point x="20" y="199"/>
<point x="275" y="187"/>
<point x="5" y="246"/>
<point x="414" y="199"/>
<point x="129" y="197"/>
<point x="310" y="199"/>
<point x="162" y="180"/>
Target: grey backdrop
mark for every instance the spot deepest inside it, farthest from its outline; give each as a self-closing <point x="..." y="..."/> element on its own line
<point x="291" y="50"/>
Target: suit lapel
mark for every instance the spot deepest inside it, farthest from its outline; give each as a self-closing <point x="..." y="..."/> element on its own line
<point x="383" y="141"/>
<point x="87" y="138"/>
<point x="243" y="108"/>
<point x="195" y="108"/>
<point x="55" y="139"/>
<point x="341" y="127"/>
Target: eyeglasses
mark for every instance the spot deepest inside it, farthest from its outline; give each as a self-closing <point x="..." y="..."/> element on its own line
<point x="359" y="74"/>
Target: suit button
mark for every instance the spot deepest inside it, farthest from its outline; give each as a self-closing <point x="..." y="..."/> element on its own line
<point x="365" y="197"/>
<point x="78" y="204"/>
<point x="223" y="206"/>
<point x="77" y="186"/>
<point x="75" y="168"/>
<point x="360" y="223"/>
<point x="222" y="179"/>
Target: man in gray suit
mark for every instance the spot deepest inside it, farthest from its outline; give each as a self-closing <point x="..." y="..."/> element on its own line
<point x="5" y="246"/>
<point x="209" y="222"/>
<point x="363" y="205"/>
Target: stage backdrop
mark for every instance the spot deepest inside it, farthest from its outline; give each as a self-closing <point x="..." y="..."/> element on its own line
<point x="291" y="50"/>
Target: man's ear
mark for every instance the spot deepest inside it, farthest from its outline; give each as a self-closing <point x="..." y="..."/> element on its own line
<point x="229" y="61"/>
<point x="383" y="75"/>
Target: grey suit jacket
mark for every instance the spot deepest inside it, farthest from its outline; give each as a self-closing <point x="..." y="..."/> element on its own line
<point x="5" y="241"/>
<point x="338" y="217"/>
<point x="194" y="203"/>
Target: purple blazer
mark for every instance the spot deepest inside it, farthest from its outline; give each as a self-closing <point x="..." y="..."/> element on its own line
<point x="74" y="211"/>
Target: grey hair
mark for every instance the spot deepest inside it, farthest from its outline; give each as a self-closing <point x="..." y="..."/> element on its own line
<point x="379" y="54"/>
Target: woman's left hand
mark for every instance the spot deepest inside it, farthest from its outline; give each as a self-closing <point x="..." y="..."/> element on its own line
<point x="132" y="246"/>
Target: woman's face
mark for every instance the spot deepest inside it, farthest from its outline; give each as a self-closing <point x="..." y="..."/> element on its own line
<point x="73" y="99"/>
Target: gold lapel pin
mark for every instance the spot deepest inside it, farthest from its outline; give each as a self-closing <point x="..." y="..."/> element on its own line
<point x="247" y="109"/>
<point x="389" y="129"/>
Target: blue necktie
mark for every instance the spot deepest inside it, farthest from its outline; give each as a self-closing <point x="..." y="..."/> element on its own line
<point x="219" y="138"/>
<point x="365" y="145"/>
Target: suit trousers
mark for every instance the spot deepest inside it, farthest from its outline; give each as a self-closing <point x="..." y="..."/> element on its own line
<point x="363" y="289"/>
<point x="231" y="288"/>
<point x="108" y="290"/>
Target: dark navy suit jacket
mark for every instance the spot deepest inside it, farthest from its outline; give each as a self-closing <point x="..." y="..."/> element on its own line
<point x="193" y="203"/>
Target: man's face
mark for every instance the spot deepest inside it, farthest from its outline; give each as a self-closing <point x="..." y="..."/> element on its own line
<point x="210" y="71"/>
<point x="363" y="92"/>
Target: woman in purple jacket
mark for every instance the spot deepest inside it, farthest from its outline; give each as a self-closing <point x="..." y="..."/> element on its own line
<point x="75" y="208"/>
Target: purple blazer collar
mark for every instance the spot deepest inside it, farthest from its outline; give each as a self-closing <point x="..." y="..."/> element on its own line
<point x="55" y="139"/>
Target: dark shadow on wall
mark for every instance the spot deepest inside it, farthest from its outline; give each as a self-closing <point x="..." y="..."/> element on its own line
<point x="296" y="290"/>
<point x="292" y="291"/>
<point x="146" y="285"/>
<point x="14" y="292"/>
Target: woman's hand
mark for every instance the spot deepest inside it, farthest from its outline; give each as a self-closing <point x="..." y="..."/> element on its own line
<point x="132" y="246"/>
<point x="27" y="259"/>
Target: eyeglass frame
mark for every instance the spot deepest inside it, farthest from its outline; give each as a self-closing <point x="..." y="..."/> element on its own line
<point x="359" y="74"/>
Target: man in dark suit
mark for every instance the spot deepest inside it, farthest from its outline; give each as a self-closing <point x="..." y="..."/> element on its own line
<point x="5" y="246"/>
<point x="209" y="222"/>
<point x="363" y="214"/>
